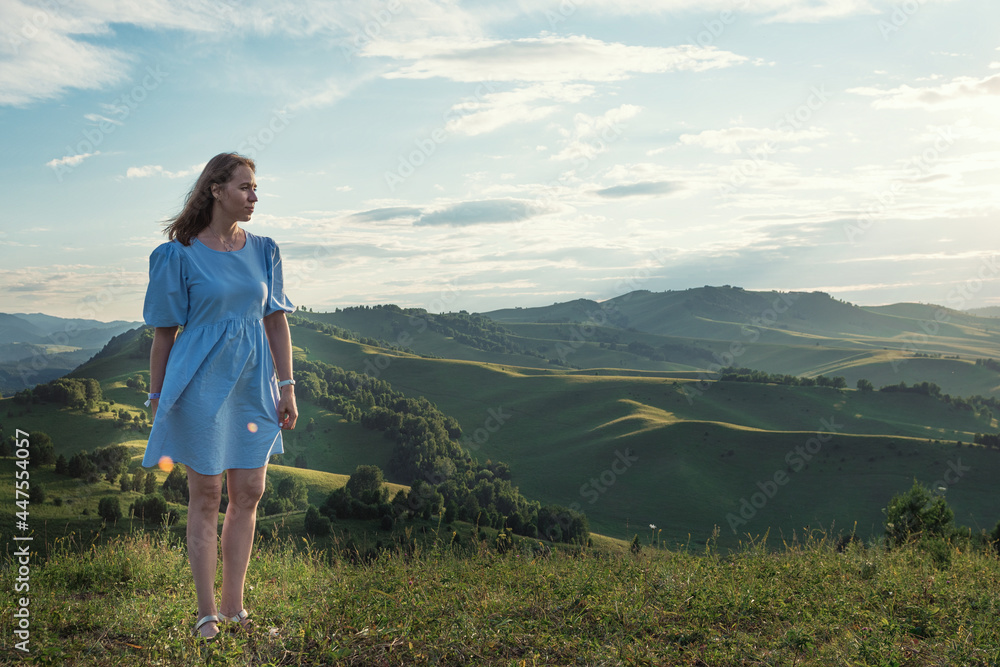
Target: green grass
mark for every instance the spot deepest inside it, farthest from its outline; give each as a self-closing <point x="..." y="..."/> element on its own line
<point x="132" y="602"/>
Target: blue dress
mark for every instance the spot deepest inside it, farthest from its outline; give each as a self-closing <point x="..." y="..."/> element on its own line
<point x="219" y="402"/>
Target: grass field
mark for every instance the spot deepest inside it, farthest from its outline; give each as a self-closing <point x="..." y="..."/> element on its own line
<point x="131" y="602"/>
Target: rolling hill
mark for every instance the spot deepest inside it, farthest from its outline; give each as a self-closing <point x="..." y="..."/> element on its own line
<point x="626" y="420"/>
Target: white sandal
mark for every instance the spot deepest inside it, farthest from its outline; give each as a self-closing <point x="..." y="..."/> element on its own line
<point x="238" y="618"/>
<point x="211" y="618"/>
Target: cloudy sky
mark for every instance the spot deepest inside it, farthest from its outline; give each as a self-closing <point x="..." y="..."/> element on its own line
<point x="472" y="155"/>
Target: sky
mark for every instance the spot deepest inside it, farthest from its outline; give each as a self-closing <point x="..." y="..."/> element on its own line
<point x="471" y="156"/>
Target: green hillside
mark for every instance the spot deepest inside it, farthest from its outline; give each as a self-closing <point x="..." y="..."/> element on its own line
<point x="630" y="425"/>
<point x="697" y="461"/>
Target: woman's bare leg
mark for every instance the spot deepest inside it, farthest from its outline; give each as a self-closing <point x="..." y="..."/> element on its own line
<point x="245" y="486"/>
<point x="202" y="540"/>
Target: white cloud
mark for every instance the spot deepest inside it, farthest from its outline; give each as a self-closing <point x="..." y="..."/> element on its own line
<point x="39" y="60"/>
<point x="734" y="139"/>
<point x="98" y="118"/>
<point x="496" y="109"/>
<point x="592" y="135"/>
<point x="959" y="92"/>
<point x="923" y="257"/>
<point x="150" y="170"/>
<point x="44" y="52"/>
<point x="70" y="160"/>
<point x="550" y="58"/>
<point x="774" y="11"/>
<point x="328" y="94"/>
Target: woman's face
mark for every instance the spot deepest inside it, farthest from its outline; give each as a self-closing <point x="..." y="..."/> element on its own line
<point x="237" y="197"/>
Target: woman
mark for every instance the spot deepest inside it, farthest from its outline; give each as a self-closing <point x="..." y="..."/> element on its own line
<point x="217" y="405"/>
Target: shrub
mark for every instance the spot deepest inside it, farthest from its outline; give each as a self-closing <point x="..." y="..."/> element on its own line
<point x="109" y="509"/>
<point x="36" y="495"/>
<point x="152" y="508"/>
<point x="366" y="485"/>
<point x="316" y="524"/>
<point x="917" y="513"/>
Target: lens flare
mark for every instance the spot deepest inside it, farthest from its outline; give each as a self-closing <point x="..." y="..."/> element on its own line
<point x="252" y="427"/>
<point x="166" y="463"/>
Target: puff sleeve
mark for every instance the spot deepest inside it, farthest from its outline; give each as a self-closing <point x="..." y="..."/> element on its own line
<point x="276" y="298"/>
<point x="166" y="303"/>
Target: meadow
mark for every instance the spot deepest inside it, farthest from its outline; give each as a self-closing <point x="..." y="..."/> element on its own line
<point x="802" y="602"/>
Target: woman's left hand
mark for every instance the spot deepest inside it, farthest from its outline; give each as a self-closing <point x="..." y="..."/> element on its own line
<point x="288" y="412"/>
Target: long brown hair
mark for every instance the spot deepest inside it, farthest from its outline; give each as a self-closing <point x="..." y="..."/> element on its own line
<point x="197" y="211"/>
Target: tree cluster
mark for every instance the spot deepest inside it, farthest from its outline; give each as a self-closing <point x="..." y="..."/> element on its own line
<point x="922" y="388"/>
<point x="153" y="509"/>
<point x="734" y="374"/>
<point x="991" y="364"/>
<point x="474" y="331"/>
<point x="991" y="440"/>
<point x="69" y="392"/>
<point x="42" y="449"/>
<point x="107" y="462"/>
<point x="289" y="494"/>
<point x="426" y="450"/>
<point x="982" y="406"/>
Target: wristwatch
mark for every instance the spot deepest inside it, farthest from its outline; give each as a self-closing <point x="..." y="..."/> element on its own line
<point x="284" y="382"/>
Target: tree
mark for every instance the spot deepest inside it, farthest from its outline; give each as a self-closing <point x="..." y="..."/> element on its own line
<point x="152" y="508"/>
<point x="316" y="524"/>
<point x="450" y="512"/>
<point x="150" y="485"/>
<point x="294" y="490"/>
<point x="366" y="484"/>
<point x="917" y="513"/>
<point x="42" y="450"/>
<point x="136" y="382"/>
<point x="81" y="466"/>
<point x="175" y="487"/>
<point x="865" y="385"/>
<point x="109" y="509"/>
<point x="36" y="495"/>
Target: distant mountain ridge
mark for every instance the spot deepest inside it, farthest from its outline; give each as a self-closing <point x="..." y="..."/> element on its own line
<point x="989" y="311"/>
<point x="37" y="348"/>
<point x="718" y="313"/>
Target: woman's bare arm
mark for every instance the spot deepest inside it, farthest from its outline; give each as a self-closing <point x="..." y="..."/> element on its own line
<point x="279" y="338"/>
<point x="163" y="342"/>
